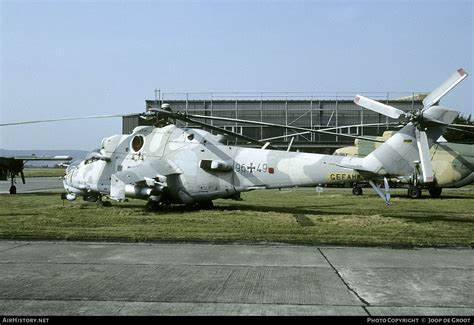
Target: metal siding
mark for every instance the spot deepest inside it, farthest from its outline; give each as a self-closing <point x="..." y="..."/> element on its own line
<point x="319" y="113"/>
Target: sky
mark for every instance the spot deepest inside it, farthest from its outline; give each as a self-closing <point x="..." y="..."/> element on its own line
<point x="79" y="58"/>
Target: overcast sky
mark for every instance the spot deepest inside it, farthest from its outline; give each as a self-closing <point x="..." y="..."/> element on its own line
<point x="75" y="58"/>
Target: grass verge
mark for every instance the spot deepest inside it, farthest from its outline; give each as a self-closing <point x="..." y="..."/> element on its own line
<point x="44" y="172"/>
<point x="289" y="216"/>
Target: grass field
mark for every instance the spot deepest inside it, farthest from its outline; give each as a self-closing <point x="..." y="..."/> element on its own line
<point x="44" y="172"/>
<point x="289" y="216"/>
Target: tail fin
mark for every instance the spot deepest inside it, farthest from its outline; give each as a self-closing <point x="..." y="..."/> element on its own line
<point x="396" y="156"/>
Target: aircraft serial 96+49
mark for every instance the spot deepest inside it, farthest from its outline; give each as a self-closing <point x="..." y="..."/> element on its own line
<point x="174" y="164"/>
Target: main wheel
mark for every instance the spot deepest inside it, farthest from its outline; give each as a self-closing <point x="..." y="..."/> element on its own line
<point x="357" y="190"/>
<point x="435" y="192"/>
<point x="13" y="189"/>
<point x="206" y="205"/>
<point x="152" y="206"/>
<point x="105" y="204"/>
<point x="414" y="192"/>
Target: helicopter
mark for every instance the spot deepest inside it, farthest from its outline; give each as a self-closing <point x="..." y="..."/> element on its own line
<point x="171" y="164"/>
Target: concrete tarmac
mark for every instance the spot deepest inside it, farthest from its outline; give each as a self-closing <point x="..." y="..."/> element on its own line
<point x="34" y="185"/>
<point x="76" y="278"/>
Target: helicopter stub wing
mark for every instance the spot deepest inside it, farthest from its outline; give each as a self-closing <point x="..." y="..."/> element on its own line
<point x="142" y="181"/>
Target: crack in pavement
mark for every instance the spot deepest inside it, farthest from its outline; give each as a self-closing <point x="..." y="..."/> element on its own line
<point x="365" y="302"/>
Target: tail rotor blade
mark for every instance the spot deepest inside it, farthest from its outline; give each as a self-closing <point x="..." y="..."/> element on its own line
<point x="458" y="76"/>
<point x="424" y="151"/>
<point x="378" y="107"/>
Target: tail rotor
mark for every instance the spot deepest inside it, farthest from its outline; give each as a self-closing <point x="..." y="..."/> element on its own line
<point x="429" y="122"/>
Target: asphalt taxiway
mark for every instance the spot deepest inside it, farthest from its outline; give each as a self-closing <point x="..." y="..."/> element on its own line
<point x="34" y="185"/>
<point x="77" y="278"/>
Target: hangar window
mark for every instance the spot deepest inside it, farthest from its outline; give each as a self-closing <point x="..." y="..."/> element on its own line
<point x="352" y="130"/>
<point x="234" y="128"/>
<point x="137" y="143"/>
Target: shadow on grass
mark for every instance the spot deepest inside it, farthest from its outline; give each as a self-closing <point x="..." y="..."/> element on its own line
<point x="433" y="218"/>
<point x="179" y="208"/>
<point x="58" y="194"/>
<point x="316" y="209"/>
<point x="427" y="197"/>
<point x="16" y="214"/>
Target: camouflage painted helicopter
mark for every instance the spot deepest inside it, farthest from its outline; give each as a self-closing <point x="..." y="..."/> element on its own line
<point x="174" y="164"/>
<point x="453" y="166"/>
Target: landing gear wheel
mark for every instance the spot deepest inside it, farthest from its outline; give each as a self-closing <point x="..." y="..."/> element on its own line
<point x="105" y="204"/>
<point x="90" y="198"/>
<point x="435" y="192"/>
<point x="207" y="205"/>
<point x="152" y="206"/>
<point x="357" y="190"/>
<point x="414" y="192"/>
<point x="13" y="189"/>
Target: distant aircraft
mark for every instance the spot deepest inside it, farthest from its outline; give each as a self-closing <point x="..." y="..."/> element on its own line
<point x="10" y="167"/>
<point x="453" y="166"/>
<point x="64" y="164"/>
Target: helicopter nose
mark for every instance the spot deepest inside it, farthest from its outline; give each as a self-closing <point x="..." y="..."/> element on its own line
<point x="69" y="181"/>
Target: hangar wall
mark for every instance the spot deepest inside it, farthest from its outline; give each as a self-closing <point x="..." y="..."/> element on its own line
<point x="301" y="110"/>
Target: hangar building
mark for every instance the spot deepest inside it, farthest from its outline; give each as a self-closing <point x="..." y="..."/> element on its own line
<point x="306" y="110"/>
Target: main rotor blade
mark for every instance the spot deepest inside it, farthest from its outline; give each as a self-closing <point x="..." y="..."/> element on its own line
<point x="181" y="116"/>
<point x="459" y="130"/>
<point x="463" y="125"/>
<point x="215" y="128"/>
<point x="434" y="97"/>
<point x="69" y="119"/>
<point x="39" y="158"/>
<point x="424" y="152"/>
<point x="378" y="107"/>
<point x="329" y="129"/>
